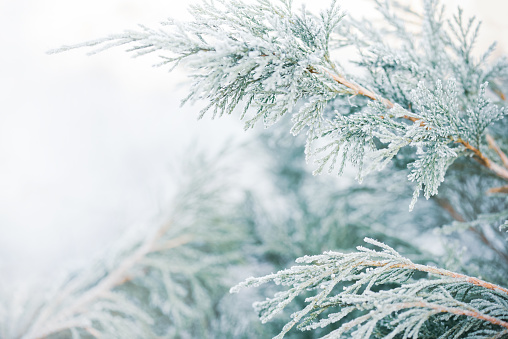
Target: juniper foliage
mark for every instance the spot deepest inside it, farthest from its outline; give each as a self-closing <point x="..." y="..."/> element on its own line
<point x="150" y="283"/>
<point x="451" y="305"/>
<point x="271" y="57"/>
<point x="426" y="106"/>
<point x="305" y="214"/>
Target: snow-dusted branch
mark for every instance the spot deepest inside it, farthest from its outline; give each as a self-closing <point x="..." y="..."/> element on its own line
<point x="271" y="60"/>
<point x="363" y="282"/>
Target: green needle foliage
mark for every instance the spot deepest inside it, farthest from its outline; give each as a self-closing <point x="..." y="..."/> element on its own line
<point x="424" y="105"/>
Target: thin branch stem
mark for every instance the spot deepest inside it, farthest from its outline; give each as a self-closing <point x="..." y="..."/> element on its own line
<point x="495" y="147"/>
<point x="478" y="232"/>
<point x="453" y="310"/>
<point x="438" y="308"/>
<point x="441" y="272"/>
<point x="173" y="243"/>
<point x="502" y="189"/>
<point x="500" y="94"/>
<point x="93" y="332"/>
<point x="449" y="208"/>
<point x="360" y="90"/>
<point x="484" y="239"/>
<point x="500" y="335"/>
<point x="483" y="160"/>
<point x="471" y="280"/>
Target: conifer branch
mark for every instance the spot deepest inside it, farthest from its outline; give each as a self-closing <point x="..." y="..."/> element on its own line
<point x="396" y="308"/>
<point x="439" y="308"/>
<point x="436" y="307"/>
<point x="271" y="61"/>
<point x="478" y="155"/>
<point x="502" y="189"/>
<point x="440" y="272"/>
<point x="492" y="144"/>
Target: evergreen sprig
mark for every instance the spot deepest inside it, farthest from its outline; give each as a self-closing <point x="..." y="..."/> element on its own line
<point x="379" y="289"/>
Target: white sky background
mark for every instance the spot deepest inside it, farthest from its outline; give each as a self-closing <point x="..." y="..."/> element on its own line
<point x="87" y="143"/>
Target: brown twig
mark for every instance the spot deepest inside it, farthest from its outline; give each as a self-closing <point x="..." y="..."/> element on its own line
<point x="495" y="88"/>
<point x="170" y="244"/>
<point x="486" y="241"/>
<point x="478" y="232"/>
<point x="93" y="332"/>
<point x="176" y="242"/>
<point x="441" y="272"/>
<point x="502" y="189"/>
<point x="437" y="308"/>
<point x="500" y="94"/>
<point x="359" y="90"/>
<point x="453" y="310"/>
<point x="500" y="335"/>
<point x="483" y="160"/>
<point x="495" y="147"/>
<point x="449" y="208"/>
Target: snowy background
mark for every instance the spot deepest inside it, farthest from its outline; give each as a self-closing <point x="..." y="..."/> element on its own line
<point x="88" y="144"/>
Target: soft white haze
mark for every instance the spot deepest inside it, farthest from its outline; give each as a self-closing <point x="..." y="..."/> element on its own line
<point x="87" y="143"/>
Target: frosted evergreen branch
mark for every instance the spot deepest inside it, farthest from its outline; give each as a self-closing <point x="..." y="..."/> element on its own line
<point x="275" y="61"/>
<point x="423" y="104"/>
<point x="410" y="309"/>
<point x="365" y="324"/>
<point x="482" y="159"/>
